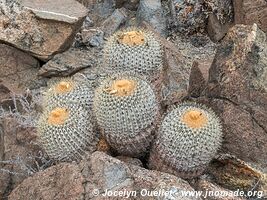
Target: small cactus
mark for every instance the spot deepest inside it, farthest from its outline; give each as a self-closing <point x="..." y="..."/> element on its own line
<point x="67" y="91"/>
<point x="126" y="108"/>
<point x="188" y="139"/>
<point x="66" y="132"/>
<point x="136" y="51"/>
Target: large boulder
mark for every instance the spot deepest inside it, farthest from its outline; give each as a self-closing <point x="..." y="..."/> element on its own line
<point x="42" y="28"/>
<point x="102" y="177"/>
<point x="237" y="89"/>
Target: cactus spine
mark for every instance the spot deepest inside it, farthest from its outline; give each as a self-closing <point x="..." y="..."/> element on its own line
<point x="68" y="92"/>
<point x="126" y="108"/>
<point x="188" y="139"/>
<point x="66" y="132"/>
<point x="136" y="51"/>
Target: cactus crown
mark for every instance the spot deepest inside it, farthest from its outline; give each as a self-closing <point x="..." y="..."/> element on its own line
<point x="122" y="87"/>
<point x="64" y="86"/>
<point x="58" y="116"/>
<point x="194" y="118"/>
<point x="131" y="38"/>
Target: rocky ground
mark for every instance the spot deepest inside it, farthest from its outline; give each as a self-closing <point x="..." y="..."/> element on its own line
<point x="215" y="52"/>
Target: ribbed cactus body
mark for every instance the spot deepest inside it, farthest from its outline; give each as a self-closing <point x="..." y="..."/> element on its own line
<point x="134" y="50"/>
<point x="188" y="139"/>
<point x="67" y="91"/>
<point x="126" y="108"/>
<point x="66" y="132"/>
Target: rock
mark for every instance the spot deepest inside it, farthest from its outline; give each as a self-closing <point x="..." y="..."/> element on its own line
<point x="212" y="191"/>
<point x="96" y="175"/>
<point x="103" y="173"/>
<point x="100" y="10"/>
<point x="197" y="82"/>
<point x="2" y="146"/>
<point x="63" y="181"/>
<point x="249" y="12"/>
<point x="130" y="5"/>
<point x="188" y="16"/>
<point x="42" y="28"/>
<point x="68" y="63"/>
<point x="130" y="161"/>
<point x="235" y="174"/>
<point x="176" y="78"/>
<point x="21" y="154"/>
<point x="151" y="11"/>
<point x="113" y="22"/>
<point x="18" y="71"/>
<point x="216" y="29"/>
<point x="237" y="90"/>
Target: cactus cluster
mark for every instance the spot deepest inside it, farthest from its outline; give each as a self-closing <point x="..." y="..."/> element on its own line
<point x="188" y="139"/>
<point x="126" y="108"/>
<point x="66" y="127"/>
<point x="134" y="50"/>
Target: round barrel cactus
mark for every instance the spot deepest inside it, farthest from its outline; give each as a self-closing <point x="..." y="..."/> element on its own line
<point x="134" y="50"/>
<point x="125" y="107"/>
<point x="66" y="132"/>
<point x="188" y="139"/>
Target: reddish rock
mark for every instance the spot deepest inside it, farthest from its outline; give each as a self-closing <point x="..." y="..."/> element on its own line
<point x="103" y="173"/>
<point x="63" y="181"/>
<point x="42" y="28"/>
<point x="18" y="70"/>
<point x="249" y="12"/>
<point x="211" y="191"/>
<point x="177" y="72"/>
<point x="237" y="91"/>
<point x="21" y="154"/>
<point x="235" y="174"/>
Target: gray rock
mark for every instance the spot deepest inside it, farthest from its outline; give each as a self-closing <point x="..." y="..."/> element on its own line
<point x="68" y="63"/>
<point x="188" y="16"/>
<point x="42" y="28"/>
<point x="151" y="11"/>
<point x="113" y="22"/>
<point x="216" y="29"/>
<point x="69" y="12"/>
<point x="100" y="10"/>
<point x="131" y="5"/>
